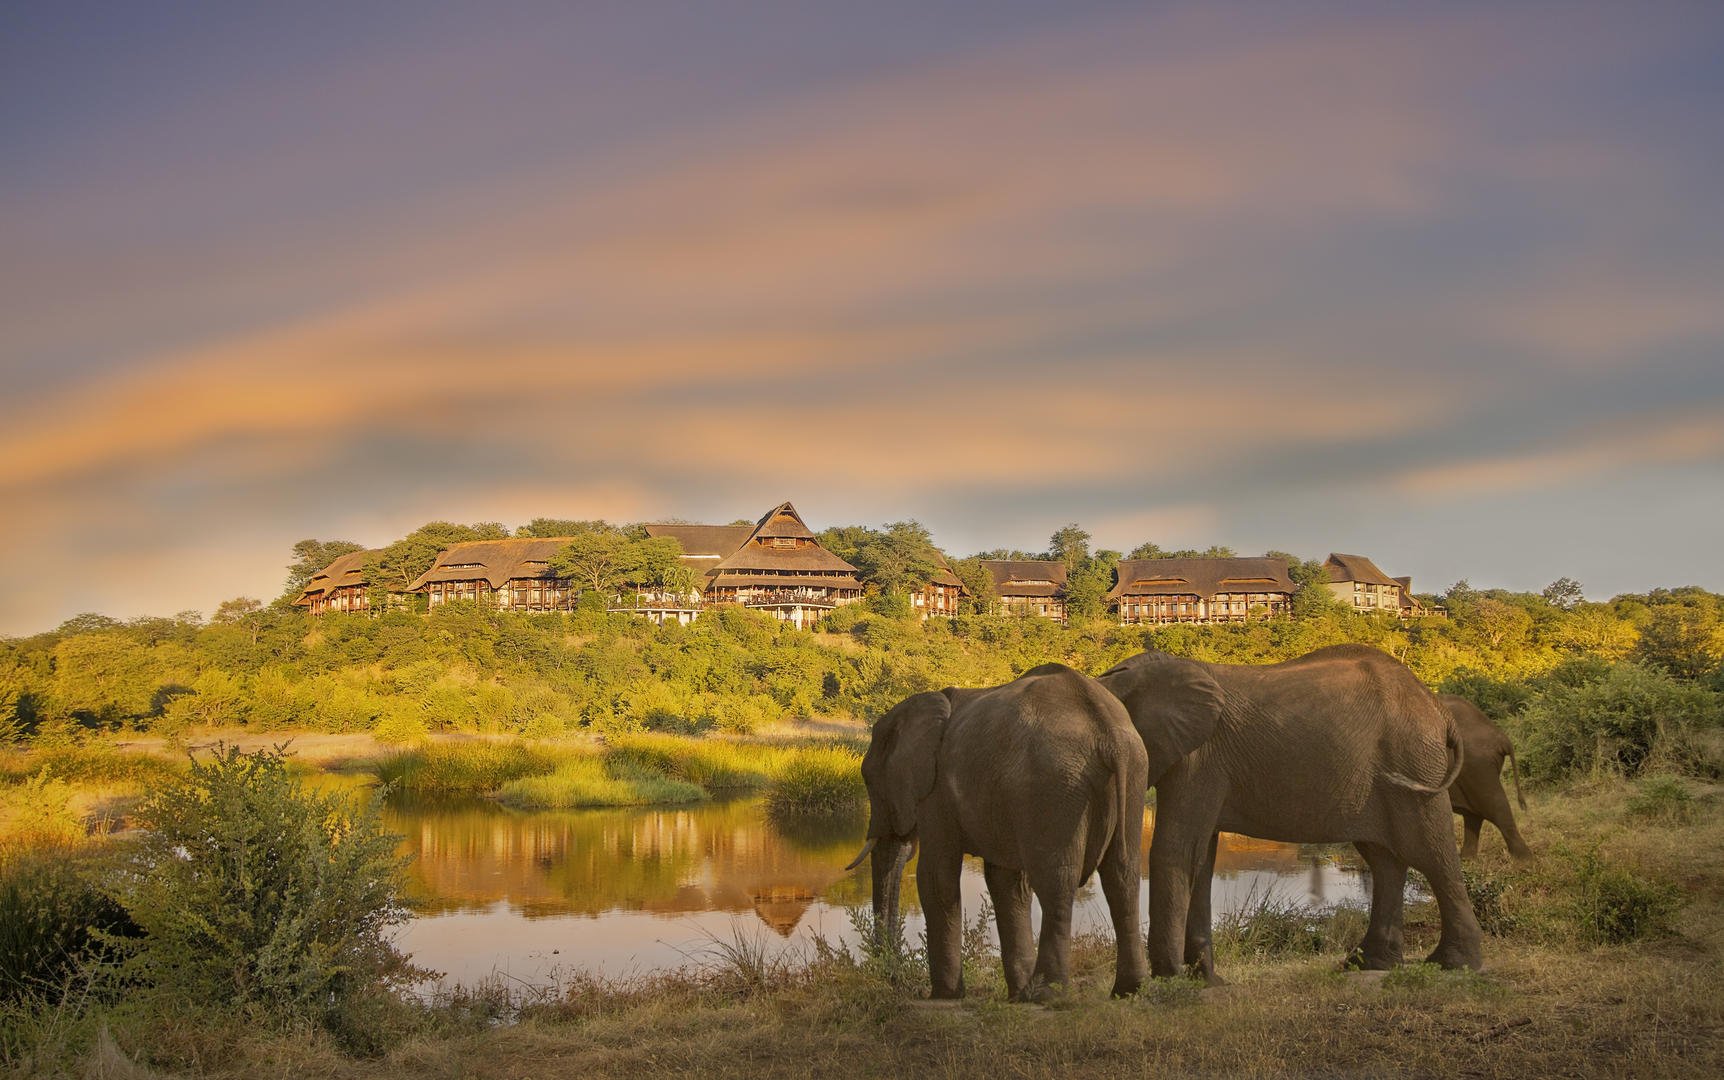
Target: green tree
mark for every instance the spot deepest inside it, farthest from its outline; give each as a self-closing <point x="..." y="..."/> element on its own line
<point x="1683" y="639"/>
<point x="310" y="556"/>
<point x="1563" y="593"/>
<point x="396" y="566"/>
<point x="104" y="678"/>
<point x="983" y="599"/>
<point x="1069" y="544"/>
<point x="553" y="528"/>
<point x="241" y="611"/>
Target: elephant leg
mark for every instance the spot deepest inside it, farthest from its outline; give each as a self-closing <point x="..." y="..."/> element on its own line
<point x="1433" y="854"/>
<point x="1010" y="891"/>
<point x="1496" y="809"/>
<point x="1199" y="929"/>
<point x="1470" y="842"/>
<point x="1186" y="815"/>
<point x="1380" y="949"/>
<point x="937" y="872"/>
<point x="1120" y="883"/>
<point x="1056" y="887"/>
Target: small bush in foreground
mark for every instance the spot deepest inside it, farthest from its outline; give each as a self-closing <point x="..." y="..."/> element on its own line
<point x="1267" y="924"/>
<point x="256" y="894"/>
<point x="1664" y="800"/>
<point x="1612" y="904"/>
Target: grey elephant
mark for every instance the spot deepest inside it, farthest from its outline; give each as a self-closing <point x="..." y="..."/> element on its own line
<point x="1342" y="744"/>
<point x="1477" y="793"/>
<point x="1043" y="778"/>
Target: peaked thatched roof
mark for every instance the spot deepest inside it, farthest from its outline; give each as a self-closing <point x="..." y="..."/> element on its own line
<point x="945" y="576"/>
<point x="758" y="553"/>
<point x="349" y="569"/>
<point x="1199" y="577"/>
<point x="1355" y="568"/>
<point x="496" y="562"/>
<point x="1408" y="601"/>
<point x="1027" y="577"/>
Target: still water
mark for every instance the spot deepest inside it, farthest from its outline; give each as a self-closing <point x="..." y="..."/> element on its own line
<point x="535" y="896"/>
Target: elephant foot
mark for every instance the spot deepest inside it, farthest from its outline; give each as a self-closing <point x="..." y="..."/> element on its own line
<point x="1041" y="993"/>
<point x="1360" y="960"/>
<point x="1454" y="957"/>
<point x="1126" y="989"/>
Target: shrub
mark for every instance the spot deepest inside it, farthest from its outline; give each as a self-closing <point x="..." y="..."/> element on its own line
<point x="1267" y="924"/>
<point x="257" y="894"/>
<point x="1665" y="800"/>
<point x="1492" y="896"/>
<point x="1613" y="904"/>
<point x="39" y="813"/>
<point x="1630" y="719"/>
<point x="52" y="918"/>
<point x="402" y="724"/>
<point x="824" y="780"/>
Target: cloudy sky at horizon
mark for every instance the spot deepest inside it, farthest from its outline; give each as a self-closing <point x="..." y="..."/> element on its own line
<point x="1443" y="284"/>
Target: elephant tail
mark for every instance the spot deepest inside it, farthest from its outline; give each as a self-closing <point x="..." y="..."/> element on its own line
<point x="1514" y="771"/>
<point x="1457" y="755"/>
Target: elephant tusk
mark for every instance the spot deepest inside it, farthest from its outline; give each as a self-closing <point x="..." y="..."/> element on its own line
<point x="863" y="854"/>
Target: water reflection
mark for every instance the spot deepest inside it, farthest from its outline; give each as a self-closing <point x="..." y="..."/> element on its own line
<point x="630" y="891"/>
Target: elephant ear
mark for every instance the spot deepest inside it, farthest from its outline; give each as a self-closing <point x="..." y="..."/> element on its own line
<point x="1175" y="705"/>
<point x="919" y="723"/>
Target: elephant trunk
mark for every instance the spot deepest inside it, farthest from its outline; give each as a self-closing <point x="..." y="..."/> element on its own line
<point x="890" y="857"/>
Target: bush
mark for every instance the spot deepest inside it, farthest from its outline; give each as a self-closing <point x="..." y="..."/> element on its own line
<point x="1625" y="722"/>
<point x="53" y="916"/>
<point x="256" y="894"/>
<point x="1664" y="800"/>
<point x="1267" y="924"/>
<point x="1492" y="896"/>
<point x="816" y="781"/>
<point x="1613" y="904"/>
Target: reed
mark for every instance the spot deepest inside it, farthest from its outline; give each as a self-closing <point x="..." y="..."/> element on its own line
<point x="587" y="782"/>
<point x="816" y="780"/>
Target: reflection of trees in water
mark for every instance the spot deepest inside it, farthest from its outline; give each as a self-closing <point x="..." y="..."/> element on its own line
<point x="722" y="856"/>
<point x="727" y="856"/>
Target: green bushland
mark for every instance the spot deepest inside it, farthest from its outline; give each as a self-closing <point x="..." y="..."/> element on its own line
<point x="1662" y="800"/>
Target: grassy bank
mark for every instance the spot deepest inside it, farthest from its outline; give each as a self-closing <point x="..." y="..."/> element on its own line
<point x="631" y="770"/>
<point x="1564" y="992"/>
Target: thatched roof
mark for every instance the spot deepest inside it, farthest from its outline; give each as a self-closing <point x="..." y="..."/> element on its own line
<point x="1027" y="577"/>
<point x="1408" y="601"/>
<point x="349" y="569"/>
<point x="1199" y="577"/>
<point x="1343" y="568"/>
<point x="496" y="562"/>
<point x="944" y="576"/>
<point x="782" y="522"/>
<point x="703" y="546"/>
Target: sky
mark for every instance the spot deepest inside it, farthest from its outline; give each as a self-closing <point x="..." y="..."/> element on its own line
<point x="1439" y="284"/>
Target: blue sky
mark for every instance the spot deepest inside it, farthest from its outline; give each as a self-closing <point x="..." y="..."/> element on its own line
<point x="1443" y="284"/>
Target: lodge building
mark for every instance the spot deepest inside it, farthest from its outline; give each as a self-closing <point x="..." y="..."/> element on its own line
<point x="514" y="574"/>
<point x="1200" y="590"/>
<point x="941" y="596"/>
<point x="343" y="585"/>
<point x="1029" y="586"/>
<point x="783" y="569"/>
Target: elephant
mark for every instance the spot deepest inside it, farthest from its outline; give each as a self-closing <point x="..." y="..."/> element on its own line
<point x="1477" y="794"/>
<point x="1342" y="744"/>
<point x="1044" y="778"/>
